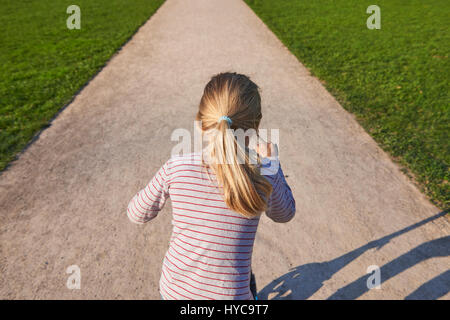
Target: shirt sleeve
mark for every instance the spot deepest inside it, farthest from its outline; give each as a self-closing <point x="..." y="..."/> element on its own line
<point x="146" y="204"/>
<point x="281" y="203"/>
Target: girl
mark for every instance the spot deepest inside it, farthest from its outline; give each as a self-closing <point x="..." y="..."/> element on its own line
<point x="217" y="198"/>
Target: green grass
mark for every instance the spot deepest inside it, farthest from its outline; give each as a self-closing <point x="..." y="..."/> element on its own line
<point x="43" y="63"/>
<point x="395" y="80"/>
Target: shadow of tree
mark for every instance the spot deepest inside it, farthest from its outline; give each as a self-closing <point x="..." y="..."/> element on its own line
<point x="303" y="281"/>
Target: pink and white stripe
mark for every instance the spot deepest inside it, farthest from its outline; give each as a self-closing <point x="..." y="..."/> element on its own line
<point x="209" y="255"/>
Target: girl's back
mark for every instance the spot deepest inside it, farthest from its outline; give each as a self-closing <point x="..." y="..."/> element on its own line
<point x="217" y="197"/>
<point x="210" y="250"/>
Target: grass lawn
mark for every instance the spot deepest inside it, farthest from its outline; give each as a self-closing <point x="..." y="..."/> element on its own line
<point x="43" y="63"/>
<point x="395" y="80"/>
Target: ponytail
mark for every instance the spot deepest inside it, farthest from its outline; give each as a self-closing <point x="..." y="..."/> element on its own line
<point x="245" y="190"/>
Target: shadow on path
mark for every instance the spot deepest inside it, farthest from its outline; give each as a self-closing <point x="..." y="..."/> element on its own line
<point x="433" y="289"/>
<point x="303" y="281"/>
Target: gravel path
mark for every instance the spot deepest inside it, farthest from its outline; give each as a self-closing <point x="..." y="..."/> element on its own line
<point x="64" y="201"/>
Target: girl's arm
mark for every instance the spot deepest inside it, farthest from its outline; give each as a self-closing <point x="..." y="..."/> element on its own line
<point x="281" y="203"/>
<point x="146" y="204"/>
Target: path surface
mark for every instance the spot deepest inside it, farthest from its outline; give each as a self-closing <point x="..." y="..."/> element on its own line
<point x="64" y="201"/>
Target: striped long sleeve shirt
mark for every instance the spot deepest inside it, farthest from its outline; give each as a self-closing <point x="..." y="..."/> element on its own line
<point x="210" y="250"/>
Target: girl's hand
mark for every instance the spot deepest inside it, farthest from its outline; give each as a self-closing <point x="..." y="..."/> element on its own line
<point x="267" y="149"/>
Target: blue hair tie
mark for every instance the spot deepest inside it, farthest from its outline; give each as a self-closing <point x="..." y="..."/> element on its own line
<point x="225" y="118"/>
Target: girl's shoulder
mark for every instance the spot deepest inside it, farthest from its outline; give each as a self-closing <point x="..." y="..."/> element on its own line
<point x="187" y="167"/>
<point x="193" y="158"/>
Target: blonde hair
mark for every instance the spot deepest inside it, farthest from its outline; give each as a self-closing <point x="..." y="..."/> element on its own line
<point x="235" y="96"/>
